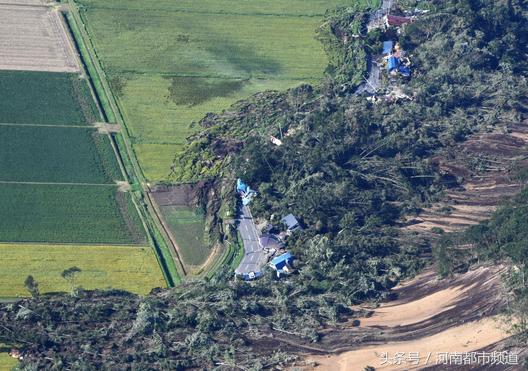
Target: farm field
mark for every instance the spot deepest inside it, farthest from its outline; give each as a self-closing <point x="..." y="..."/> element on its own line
<point x="188" y="229"/>
<point x="168" y="120"/>
<point x="34" y="38"/>
<point x="61" y="186"/>
<point x="128" y="268"/>
<point x="263" y="7"/>
<point x="56" y="154"/>
<point x="67" y="214"/>
<point x="171" y="62"/>
<point x="6" y="361"/>
<point x="45" y="98"/>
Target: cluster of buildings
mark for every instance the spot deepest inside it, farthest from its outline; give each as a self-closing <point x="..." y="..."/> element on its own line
<point x="396" y="61"/>
<point x="245" y="192"/>
<point x="269" y="244"/>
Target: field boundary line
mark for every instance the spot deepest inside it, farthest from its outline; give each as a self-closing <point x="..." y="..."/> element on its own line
<point x="61" y="183"/>
<point x="48" y="125"/>
<point x="219" y="77"/>
<point x="71" y="244"/>
<point x="39" y="6"/>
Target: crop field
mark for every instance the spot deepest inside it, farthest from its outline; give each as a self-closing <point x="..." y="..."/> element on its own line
<point x="67" y="214"/>
<point x="33" y="38"/>
<point x="168" y="120"/>
<point x="129" y="268"/>
<point x="6" y="361"/>
<point x="171" y="62"/>
<point x="188" y="229"/>
<point x="45" y="98"/>
<point x="252" y="7"/>
<point x="56" y="154"/>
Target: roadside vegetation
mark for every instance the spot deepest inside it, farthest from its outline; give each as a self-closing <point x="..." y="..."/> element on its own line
<point x="350" y="169"/>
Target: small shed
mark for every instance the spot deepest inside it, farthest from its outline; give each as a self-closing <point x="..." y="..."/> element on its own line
<point x="283" y="264"/>
<point x="291" y="222"/>
<point x="387" y="47"/>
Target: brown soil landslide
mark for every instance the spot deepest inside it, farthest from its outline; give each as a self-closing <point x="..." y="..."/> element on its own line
<point x="429" y="317"/>
<point x="432" y="316"/>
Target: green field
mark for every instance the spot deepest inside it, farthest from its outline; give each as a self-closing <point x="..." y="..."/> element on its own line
<point x="171" y="62"/>
<point x="129" y="268"/>
<point x="67" y="214"/>
<point x="6" y="362"/>
<point x="56" y="154"/>
<point x="251" y="7"/>
<point x="157" y="143"/>
<point x="188" y="229"/>
<point x="45" y="98"/>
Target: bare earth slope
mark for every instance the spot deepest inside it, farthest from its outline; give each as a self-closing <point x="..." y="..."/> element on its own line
<point x="431" y="315"/>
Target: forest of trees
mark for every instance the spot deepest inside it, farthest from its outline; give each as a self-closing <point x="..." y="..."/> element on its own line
<point x="349" y="168"/>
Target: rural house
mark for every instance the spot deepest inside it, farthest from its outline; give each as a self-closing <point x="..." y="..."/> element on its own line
<point x="283" y="264"/>
<point x="396" y="21"/>
<point x="291" y="223"/>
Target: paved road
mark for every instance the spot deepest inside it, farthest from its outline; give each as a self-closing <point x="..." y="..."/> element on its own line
<point x="373" y="82"/>
<point x="254" y="257"/>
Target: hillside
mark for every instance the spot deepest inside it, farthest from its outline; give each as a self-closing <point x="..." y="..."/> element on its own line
<point x="356" y="172"/>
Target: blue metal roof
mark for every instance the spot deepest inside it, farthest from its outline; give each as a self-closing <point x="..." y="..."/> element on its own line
<point x="405" y="71"/>
<point x="280" y="261"/>
<point x="393" y="63"/>
<point x="241" y="186"/>
<point x="387" y="47"/>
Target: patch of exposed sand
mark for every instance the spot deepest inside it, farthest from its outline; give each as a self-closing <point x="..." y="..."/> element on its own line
<point x="468" y="337"/>
<point x="396" y="314"/>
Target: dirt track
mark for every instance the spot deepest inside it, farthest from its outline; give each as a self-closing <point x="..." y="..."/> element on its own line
<point x="33" y="38"/>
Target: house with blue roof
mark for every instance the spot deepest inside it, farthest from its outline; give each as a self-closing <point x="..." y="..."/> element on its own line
<point x="241" y="187"/>
<point x="245" y="192"/>
<point x="392" y="63"/>
<point x="283" y="264"/>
